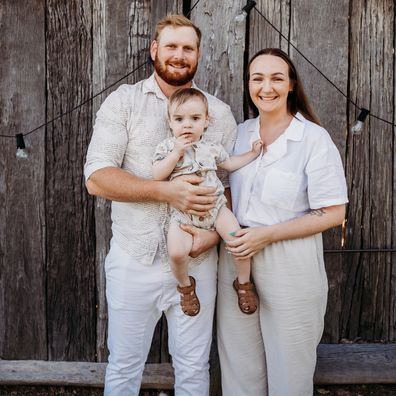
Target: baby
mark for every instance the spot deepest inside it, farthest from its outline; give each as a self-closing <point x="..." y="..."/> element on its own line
<point x="188" y="153"/>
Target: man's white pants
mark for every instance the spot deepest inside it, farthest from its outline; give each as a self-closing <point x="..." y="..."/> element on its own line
<point x="273" y="351"/>
<point x="136" y="296"/>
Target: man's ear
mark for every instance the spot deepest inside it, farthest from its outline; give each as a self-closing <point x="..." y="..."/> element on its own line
<point x="153" y="49"/>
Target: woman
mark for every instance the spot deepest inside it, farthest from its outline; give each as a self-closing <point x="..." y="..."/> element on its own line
<point x="284" y="199"/>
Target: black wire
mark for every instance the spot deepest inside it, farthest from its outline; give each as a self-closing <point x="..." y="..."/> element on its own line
<point x="193" y="7"/>
<point x="91" y="98"/>
<point x="390" y="250"/>
<point x="143" y="64"/>
<point x="324" y="76"/>
<point x="82" y="103"/>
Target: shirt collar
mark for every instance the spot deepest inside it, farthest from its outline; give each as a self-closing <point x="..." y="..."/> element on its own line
<point x="278" y="149"/>
<point x="295" y="130"/>
<point x="150" y="85"/>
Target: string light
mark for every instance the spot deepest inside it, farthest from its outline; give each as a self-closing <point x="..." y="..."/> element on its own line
<point x="21" y="148"/>
<point x="357" y="127"/>
<point x="250" y="4"/>
<point x="245" y="11"/>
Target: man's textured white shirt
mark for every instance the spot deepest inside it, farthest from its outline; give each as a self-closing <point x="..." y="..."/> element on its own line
<point x="131" y="122"/>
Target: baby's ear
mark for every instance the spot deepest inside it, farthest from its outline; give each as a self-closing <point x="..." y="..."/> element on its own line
<point x="208" y="121"/>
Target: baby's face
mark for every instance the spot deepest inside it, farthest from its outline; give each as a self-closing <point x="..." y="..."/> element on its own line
<point x="189" y="119"/>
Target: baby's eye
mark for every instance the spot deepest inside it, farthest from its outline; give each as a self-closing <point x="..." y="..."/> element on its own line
<point x="178" y="119"/>
<point x="196" y="118"/>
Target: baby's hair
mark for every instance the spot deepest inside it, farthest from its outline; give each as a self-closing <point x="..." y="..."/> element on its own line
<point x="183" y="95"/>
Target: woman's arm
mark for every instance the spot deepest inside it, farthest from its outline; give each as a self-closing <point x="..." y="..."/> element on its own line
<point x="251" y="240"/>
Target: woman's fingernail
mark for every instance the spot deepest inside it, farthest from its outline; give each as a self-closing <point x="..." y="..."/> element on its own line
<point x="232" y="233"/>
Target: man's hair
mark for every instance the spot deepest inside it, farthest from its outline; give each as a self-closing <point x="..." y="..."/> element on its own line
<point x="175" y="20"/>
<point x="183" y="95"/>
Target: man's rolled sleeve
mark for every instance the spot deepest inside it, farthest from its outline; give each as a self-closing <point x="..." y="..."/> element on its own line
<point x="110" y="137"/>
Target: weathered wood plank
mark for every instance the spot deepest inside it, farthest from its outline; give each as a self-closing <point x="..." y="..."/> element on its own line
<point x="368" y="295"/>
<point x="356" y="364"/>
<point x="220" y="72"/>
<point x="337" y="364"/>
<point x="70" y="226"/>
<point x="261" y="34"/>
<point x="123" y="32"/>
<point x="36" y="372"/>
<point x="22" y="211"/>
<point x="321" y="34"/>
<point x="221" y="65"/>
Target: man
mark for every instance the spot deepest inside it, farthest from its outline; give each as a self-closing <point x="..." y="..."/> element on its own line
<point x="139" y="284"/>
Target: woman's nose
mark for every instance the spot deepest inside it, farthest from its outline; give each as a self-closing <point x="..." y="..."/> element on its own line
<point x="266" y="86"/>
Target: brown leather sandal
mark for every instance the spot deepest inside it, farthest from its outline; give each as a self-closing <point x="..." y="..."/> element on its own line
<point x="188" y="299"/>
<point x="247" y="296"/>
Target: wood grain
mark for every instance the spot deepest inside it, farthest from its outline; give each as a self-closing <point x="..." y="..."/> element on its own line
<point x="71" y="312"/>
<point x="23" y="333"/>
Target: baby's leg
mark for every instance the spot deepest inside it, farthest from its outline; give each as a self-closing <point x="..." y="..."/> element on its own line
<point x="179" y="247"/>
<point x="226" y="223"/>
<point x="247" y="296"/>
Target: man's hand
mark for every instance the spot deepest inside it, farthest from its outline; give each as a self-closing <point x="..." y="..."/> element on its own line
<point x="203" y="240"/>
<point x="184" y="194"/>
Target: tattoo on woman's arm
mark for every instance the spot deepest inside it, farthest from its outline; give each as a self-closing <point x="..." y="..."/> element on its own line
<point x="317" y="212"/>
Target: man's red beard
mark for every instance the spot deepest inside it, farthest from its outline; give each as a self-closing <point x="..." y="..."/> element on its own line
<point x="177" y="79"/>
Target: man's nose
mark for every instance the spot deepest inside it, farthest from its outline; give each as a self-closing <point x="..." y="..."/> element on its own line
<point x="179" y="53"/>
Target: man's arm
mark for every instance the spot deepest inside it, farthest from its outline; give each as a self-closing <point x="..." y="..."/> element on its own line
<point x="119" y="185"/>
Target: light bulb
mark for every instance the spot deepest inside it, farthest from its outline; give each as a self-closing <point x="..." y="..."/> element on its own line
<point x="357" y="126"/>
<point x="21" y="148"/>
<point x="21" y="153"/>
<point x="245" y="11"/>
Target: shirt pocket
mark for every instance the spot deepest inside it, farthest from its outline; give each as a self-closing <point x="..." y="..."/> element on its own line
<point x="283" y="190"/>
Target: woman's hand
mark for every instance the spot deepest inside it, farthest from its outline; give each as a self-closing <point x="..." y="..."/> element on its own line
<point x="249" y="241"/>
<point x="203" y="240"/>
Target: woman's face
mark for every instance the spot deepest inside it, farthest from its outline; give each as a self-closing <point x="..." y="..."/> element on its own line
<point x="269" y="84"/>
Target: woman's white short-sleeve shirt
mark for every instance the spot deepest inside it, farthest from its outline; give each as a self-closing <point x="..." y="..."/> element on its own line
<point x="300" y="170"/>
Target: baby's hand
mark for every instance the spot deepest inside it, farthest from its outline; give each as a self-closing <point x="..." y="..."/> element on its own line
<point x="181" y="144"/>
<point x="257" y="146"/>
